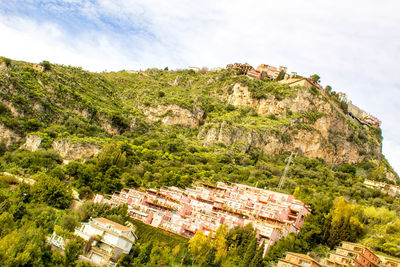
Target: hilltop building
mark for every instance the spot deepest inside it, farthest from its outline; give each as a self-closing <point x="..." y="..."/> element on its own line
<point x="195" y="69"/>
<point x="239" y="68"/>
<point x="301" y="81"/>
<point x="206" y="207"/>
<point x="254" y="74"/>
<point x="106" y="241"/>
<point x="361" y="115"/>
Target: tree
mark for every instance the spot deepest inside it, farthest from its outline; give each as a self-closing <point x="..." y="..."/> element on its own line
<point x="209" y="259"/>
<point x="175" y="251"/>
<point x="3" y="148"/>
<point x="250" y="252"/>
<point x="7" y="61"/>
<point x="342" y="224"/>
<point x="257" y="261"/>
<point x="52" y="191"/>
<point x="46" y="65"/>
<point x="23" y="247"/>
<point x="315" y="78"/>
<point x="198" y="245"/>
<point x="85" y="192"/>
<point x="281" y="75"/>
<point x="144" y="254"/>
<point x="72" y="251"/>
<point x="111" y="155"/>
<point x="69" y="223"/>
<point x="219" y="242"/>
<point x="328" y="89"/>
<point x="7" y="224"/>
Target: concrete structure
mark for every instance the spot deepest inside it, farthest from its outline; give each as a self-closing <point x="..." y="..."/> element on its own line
<point x="132" y="71"/>
<point x="389" y="261"/>
<point x="389" y="189"/>
<point x="270" y="71"/>
<point x="296" y="259"/>
<point x="239" y="68"/>
<point x="56" y="241"/>
<point x="206" y="207"/>
<point x="254" y="74"/>
<point x="352" y="254"/>
<point x="301" y="81"/>
<point x="342" y="97"/>
<point x="195" y="69"/>
<point x="216" y="69"/>
<point x="362" y="115"/>
<point x="106" y="241"/>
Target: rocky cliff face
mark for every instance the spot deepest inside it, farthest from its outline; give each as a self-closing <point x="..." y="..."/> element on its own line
<point x="32" y="142"/>
<point x="67" y="149"/>
<point x="73" y="151"/>
<point x="328" y="137"/>
<point x="174" y="115"/>
<point x="8" y="136"/>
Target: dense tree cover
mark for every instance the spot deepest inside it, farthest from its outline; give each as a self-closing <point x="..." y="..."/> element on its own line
<point x="24" y="227"/>
<point x="236" y="247"/>
<point x="162" y="160"/>
<point x="26" y="221"/>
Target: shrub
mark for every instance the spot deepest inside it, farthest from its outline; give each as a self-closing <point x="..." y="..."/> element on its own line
<point x="46" y="65"/>
<point x="4" y="110"/>
<point x="7" y="61"/>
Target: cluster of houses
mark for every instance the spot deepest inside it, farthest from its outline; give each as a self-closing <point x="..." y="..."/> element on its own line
<point x="206" y="207"/>
<point x="390" y="189"/>
<point x="262" y="72"/>
<point x="348" y="254"/>
<point x="362" y="116"/>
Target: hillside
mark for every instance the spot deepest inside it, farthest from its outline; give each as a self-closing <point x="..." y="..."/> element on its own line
<point x="101" y="132"/>
<point x="217" y="107"/>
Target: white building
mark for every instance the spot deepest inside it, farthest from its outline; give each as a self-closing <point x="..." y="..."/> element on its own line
<point x="107" y="240"/>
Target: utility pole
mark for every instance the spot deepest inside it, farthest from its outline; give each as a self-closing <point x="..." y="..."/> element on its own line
<point x="285" y="171"/>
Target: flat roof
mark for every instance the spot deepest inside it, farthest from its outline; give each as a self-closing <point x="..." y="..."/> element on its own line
<point x="113" y="224"/>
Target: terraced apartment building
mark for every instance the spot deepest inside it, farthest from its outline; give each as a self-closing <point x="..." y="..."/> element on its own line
<point x="205" y="207"/>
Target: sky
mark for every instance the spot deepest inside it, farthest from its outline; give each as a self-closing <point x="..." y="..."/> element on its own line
<point x="354" y="46"/>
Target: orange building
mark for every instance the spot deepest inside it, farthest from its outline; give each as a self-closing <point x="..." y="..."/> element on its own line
<point x="389" y="261"/>
<point x="352" y="254"/>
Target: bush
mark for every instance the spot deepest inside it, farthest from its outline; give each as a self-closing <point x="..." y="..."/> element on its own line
<point x="4" y="110"/>
<point x="46" y="65"/>
<point x="7" y="61"/>
<point x="52" y="192"/>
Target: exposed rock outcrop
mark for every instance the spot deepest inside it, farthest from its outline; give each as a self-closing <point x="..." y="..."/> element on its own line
<point x="8" y="136"/>
<point x="73" y="151"/>
<point x="174" y="115"/>
<point x="32" y="142"/>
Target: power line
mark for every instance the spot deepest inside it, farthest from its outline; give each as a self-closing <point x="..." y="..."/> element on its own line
<point x="285" y="171"/>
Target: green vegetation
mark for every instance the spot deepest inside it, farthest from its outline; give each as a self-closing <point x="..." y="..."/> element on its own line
<point x="107" y="110"/>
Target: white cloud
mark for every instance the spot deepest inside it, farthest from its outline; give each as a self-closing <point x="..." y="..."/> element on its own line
<point x="353" y="45"/>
